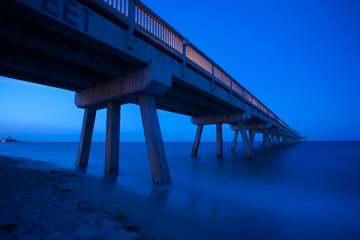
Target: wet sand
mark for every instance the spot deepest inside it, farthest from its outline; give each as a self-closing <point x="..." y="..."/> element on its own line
<point x="38" y="201"/>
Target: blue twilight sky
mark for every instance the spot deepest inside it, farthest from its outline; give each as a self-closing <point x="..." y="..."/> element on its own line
<point x="300" y="58"/>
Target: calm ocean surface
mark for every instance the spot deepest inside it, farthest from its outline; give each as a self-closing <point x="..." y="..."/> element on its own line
<point x="306" y="191"/>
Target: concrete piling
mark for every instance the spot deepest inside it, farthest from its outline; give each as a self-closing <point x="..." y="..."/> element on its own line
<point x="154" y="142"/>
<point x="278" y="141"/>
<point x="112" y="138"/>
<point x="251" y="138"/>
<point x="268" y="140"/>
<point x="263" y="142"/>
<point x="85" y="138"/>
<point x="197" y="140"/>
<point x="236" y="134"/>
<point x="219" y="142"/>
<point x="273" y="141"/>
<point x="245" y="138"/>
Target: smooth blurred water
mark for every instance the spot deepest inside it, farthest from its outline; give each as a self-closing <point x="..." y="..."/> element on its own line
<point x="310" y="190"/>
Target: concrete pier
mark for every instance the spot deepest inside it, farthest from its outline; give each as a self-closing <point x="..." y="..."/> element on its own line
<point x="110" y="57"/>
<point x="154" y="142"/>
<point x="85" y="138"/>
<point x="112" y="138"/>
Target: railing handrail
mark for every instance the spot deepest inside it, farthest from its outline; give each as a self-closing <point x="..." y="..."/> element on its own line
<point x="161" y="30"/>
<point x="158" y="17"/>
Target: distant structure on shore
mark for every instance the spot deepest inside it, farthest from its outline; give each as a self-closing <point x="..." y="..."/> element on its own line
<point x="8" y="139"/>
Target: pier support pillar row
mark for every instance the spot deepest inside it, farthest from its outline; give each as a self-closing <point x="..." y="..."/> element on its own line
<point x="235" y="140"/>
<point x="154" y="142"/>
<point x="85" y="138"/>
<point x="197" y="140"/>
<point x="245" y="138"/>
<point x="112" y="138"/>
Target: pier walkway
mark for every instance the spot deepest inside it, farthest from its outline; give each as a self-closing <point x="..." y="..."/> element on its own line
<point x="114" y="52"/>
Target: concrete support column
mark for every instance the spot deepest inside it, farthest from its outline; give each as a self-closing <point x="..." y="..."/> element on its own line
<point x="219" y="142"/>
<point x="236" y="134"/>
<point x="284" y="141"/>
<point x="251" y="138"/>
<point x="268" y="140"/>
<point x="197" y="140"/>
<point x="278" y="141"/>
<point x="112" y="138"/>
<point x="154" y="142"/>
<point x="85" y="138"/>
<point x="245" y="138"/>
<point x="263" y="143"/>
<point x="273" y="141"/>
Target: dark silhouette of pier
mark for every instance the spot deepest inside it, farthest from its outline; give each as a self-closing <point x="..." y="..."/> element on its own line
<point x="116" y="52"/>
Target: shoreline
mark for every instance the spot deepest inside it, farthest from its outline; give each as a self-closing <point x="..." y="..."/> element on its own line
<point x="40" y="200"/>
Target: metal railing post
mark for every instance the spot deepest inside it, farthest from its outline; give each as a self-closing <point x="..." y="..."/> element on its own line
<point x="213" y="78"/>
<point x="231" y="89"/>
<point x="183" y="68"/>
<point x="131" y="24"/>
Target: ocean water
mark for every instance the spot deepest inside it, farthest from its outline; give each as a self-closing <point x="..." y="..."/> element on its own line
<point x="307" y="191"/>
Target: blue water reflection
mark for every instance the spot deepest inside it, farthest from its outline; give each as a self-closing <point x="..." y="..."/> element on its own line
<point x="307" y="191"/>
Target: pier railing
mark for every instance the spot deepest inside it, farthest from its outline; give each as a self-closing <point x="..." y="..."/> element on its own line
<point x="153" y="28"/>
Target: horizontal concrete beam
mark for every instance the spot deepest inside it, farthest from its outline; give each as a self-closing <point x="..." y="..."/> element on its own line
<point x="22" y="62"/>
<point x="257" y="126"/>
<point x="226" y="118"/>
<point x="271" y="131"/>
<point x="154" y="79"/>
<point x="17" y="30"/>
<point x="252" y="126"/>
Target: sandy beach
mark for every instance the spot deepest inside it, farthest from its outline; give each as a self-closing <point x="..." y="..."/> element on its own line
<point x="38" y="202"/>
